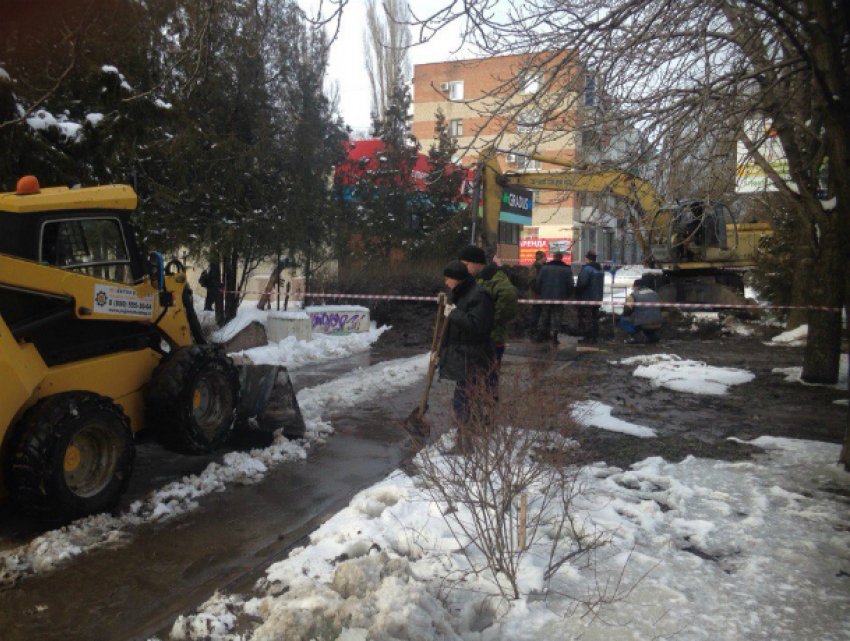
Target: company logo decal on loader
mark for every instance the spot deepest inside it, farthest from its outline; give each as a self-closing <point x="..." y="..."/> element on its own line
<point x="122" y="301"/>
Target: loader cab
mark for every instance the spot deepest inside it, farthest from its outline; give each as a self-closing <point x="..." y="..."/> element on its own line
<point x="86" y="231"/>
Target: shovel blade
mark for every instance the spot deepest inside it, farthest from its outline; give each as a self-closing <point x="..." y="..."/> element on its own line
<point x="268" y="401"/>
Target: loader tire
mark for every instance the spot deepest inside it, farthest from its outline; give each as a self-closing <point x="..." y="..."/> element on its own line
<point x="72" y="457"/>
<point x="192" y="399"/>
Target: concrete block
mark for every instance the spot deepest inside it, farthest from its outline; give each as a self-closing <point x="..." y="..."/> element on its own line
<point x="253" y="335"/>
<point x="280" y="325"/>
<point x="339" y="319"/>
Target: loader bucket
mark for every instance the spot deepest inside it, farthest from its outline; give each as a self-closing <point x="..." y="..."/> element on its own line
<point x="268" y="400"/>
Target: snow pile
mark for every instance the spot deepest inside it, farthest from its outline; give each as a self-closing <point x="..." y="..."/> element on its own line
<point x="58" y="546"/>
<point x="706" y="550"/>
<point x="245" y="316"/>
<point x="795" y="374"/>
<point x="293" y="353"/>
<point x="670" y="371"/>
<point x="595" y="414"/>
<point x="792" y="338"/>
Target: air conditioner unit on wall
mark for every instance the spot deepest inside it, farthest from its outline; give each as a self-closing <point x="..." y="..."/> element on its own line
<point x="512" y="158"/>
<point x="444" y="86"/>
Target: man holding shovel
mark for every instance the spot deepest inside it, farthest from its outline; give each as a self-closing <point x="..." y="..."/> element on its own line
<point x="466" y="354"/>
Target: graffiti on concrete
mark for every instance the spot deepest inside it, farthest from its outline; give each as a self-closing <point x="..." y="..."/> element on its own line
<point x="337" y="322"/>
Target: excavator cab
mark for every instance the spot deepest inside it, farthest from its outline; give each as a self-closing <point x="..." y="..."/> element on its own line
<point x="693" y="231"/>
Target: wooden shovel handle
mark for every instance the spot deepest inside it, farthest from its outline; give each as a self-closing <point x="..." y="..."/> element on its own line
<point x="432" y="365"/>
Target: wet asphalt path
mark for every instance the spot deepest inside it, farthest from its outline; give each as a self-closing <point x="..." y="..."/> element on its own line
<point x="137" y="590"/>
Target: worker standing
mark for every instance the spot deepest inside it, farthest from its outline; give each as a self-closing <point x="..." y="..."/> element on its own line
<point x="466" y="354"/>
<point x="534" y="318"/>
<point x="590" y="287"/>
<point x="501" y="290"/>
<point x="555" y="282"/>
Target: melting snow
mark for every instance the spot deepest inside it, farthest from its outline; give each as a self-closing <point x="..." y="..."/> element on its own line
<point x="710" y="549"/>
<point x="294" y="353"/>
<point x="792" y="338"/>
<point x="595" y="414"/>
<point x="795" y="374"/>
<point x="55" y="547"/>
<point x="670" y="371"/>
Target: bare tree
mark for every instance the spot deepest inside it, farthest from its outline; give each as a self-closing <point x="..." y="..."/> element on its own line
<point x="509" y="486"/>
<point x="386" y="41"/>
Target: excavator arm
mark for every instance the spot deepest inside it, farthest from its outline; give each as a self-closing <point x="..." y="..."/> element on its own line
<point x="587" y="179"/>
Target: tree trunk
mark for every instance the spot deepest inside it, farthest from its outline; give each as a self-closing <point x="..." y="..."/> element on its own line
<point x="799" y="285"/>
<point x="823" y="349"/>
<point x="231" y="287"/>
<point x="845" y="450"/>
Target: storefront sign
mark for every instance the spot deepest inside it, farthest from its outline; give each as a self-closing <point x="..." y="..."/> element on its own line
<point x="528" y="247"/>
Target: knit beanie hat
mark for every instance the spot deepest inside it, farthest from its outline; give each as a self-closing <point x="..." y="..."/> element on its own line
<point x="456" y="270"/>
<point x="473" y="254"/>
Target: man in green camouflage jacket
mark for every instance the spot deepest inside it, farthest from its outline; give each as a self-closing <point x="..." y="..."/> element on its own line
<point x="496" y="283"/>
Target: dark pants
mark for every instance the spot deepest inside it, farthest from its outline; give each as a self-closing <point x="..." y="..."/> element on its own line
<point x="588" y="316"/>
<point x="534" y="318"/>
<point x="631" y="329"/>
<point x="552" y="317"/>
<point x="471" y="400"/>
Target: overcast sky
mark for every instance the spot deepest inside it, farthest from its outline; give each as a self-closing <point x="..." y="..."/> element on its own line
<point x="347" y="67"/>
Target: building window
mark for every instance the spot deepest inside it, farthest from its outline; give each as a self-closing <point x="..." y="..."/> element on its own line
<point x="508" y="233"/>
<point x="527" y="164"/>
<point x="532" y="84"/>
<point x="589" y="90"/>
<point x="456" y="128"/>
<point x="456" y="90"/>
<point x="528" y="121"/>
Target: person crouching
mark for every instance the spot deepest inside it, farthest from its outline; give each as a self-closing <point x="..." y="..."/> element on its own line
<point x="641" y="319"/>
<point x="467" y="354"/>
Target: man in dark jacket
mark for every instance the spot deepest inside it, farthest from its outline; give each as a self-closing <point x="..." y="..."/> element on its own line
<point x="534" y="317"/>
<point x="590" y="286"/>
<point x="467" y="355"/>
<point x="641" y="319"/>
<point x="501" y="290"/>
<point x="554" y="282"/>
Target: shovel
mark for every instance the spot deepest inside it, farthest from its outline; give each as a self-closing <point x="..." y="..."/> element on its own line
<point x="415" y="422"/>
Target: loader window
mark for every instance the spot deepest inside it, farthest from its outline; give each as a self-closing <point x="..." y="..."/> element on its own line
<point x="91" y="246"/>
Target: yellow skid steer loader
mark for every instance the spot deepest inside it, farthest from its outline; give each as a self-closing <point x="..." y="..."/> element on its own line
<point x="98" y="341"/>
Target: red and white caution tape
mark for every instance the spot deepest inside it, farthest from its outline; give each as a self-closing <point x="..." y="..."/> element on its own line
<point x="535" y="301"/>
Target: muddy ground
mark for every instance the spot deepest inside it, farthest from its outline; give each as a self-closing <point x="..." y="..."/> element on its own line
<point x="136" y="590"/>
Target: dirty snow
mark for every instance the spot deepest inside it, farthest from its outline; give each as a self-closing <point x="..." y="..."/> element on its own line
<point x="696" y="377"/>
<point x="4" y="75"/>
<point x="707" y="550"/>
<point x="596" y="414"/>
<point x="795" y="374"/>
<point x="247" y="314"/>
<point x="294" y="353"/>
<point x="58" y="546"/>
<point x="792" y="338"/>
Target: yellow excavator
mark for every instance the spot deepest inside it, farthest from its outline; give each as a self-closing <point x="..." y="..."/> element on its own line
<point x="99" y="340"/>
<point x="699" y="246"/>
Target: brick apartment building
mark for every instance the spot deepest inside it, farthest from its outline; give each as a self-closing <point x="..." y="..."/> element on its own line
<point x="467" y="91"/>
